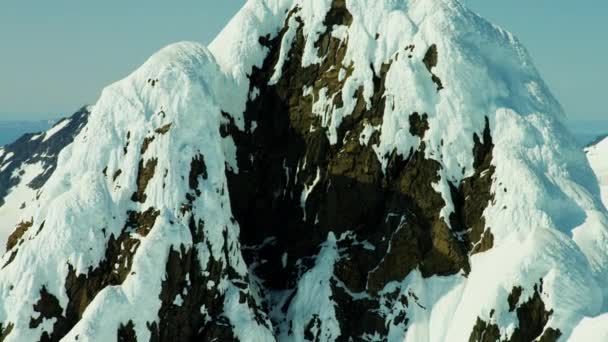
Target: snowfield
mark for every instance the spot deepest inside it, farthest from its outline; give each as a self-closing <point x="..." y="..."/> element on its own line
<point x="598" y="158"/>
<point x="148" y="132"/>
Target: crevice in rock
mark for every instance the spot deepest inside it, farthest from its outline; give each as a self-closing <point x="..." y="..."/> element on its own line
<point x="473" y="196"/>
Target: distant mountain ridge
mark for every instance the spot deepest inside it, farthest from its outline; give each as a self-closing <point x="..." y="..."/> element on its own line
<point x="11" y="130"/>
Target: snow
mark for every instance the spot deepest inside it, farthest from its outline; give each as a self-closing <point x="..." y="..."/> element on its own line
<point x="598" y="158"/>
<point x="5" y="165"/>
<point x="55" y="129"/>
<point x="313" y="298"/>
<point x="367" y="133"/>
<point x="78" y="204"/>
<point x="286" y="43"/>
<point x="178" y="300"/>
<point x="591" y="330"/>
<point x="22" y="194"/>
<point x="547" y="218"/>
<point x="308" y="190"/>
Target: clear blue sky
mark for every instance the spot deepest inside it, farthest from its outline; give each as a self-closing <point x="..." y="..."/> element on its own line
<point x="57" y="55"/>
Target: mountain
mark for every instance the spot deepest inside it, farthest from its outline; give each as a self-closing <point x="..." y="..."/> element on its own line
<point x="12" y="130"/>
<point x="325" y="170"/>
<point x="26" y="165"/>
<point x="597" y="153"/>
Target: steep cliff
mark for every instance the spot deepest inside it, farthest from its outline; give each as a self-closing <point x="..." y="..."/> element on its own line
<point x="325" y="170"/>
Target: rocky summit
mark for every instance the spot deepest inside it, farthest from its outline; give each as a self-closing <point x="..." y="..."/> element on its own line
<point x="325" y="170"/>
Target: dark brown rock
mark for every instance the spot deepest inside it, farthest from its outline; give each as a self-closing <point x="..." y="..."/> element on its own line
<point x="430" y="61"/>
<point x="116" y="175"/>
<point x="5" y="331"/>
<point x="532" y="319"/>
<point x="146" y="143"/>
<point x="514" y="297"/>
<point x="163" y="130"/>
<point x="397" y="210"/>
<point x="126" y="333"/>
<point x="197" y="169"/>
<point x="485" y="332"/>
<point x="144" y="174"/>
<point x="431" y="57"/>
<point x="48" y="308"/>
<point x="18" y="233"/>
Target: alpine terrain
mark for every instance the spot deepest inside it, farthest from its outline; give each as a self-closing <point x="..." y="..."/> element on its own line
<point x="27" y="164"/>
<point x="326" y="170"/>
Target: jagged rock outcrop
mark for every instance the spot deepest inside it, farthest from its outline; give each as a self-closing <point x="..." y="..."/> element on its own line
<point x="326" y="170"/>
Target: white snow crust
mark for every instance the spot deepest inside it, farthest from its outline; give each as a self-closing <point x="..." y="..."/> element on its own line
<point x="598" y="158"/>
<point x="547" y="217"/>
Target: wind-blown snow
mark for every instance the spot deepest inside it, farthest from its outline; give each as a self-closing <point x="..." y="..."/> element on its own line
<point x="547" y="218"/>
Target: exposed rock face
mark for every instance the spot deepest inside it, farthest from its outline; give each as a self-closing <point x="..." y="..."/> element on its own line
<point x="331" y="207"/>
<point x="292" y="182"/>
<point x="532" y="317"/>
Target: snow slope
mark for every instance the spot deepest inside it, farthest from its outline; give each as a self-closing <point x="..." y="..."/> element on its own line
<point x="78" y="195"/>
<point x="17" y="200"/>
<point x="144" y="189"/>
<point x="598" y="158"/>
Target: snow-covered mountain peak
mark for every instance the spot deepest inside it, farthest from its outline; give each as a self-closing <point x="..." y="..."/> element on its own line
<point x="325" y="170"/>
<point x="397" y="36"/>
